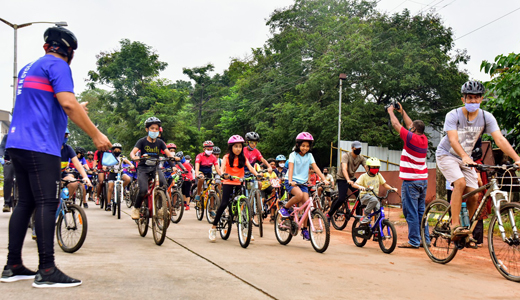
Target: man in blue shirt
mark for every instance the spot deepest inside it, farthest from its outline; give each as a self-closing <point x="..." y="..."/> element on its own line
<point x="44" y="99"/>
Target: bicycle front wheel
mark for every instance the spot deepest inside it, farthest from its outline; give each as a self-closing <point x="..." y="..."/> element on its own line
<point x="436" y="222"/>
<point x="282" y="229"/>
<point x="71" y="228"/>
<point x="340" y="218"/>
<point x="119" y="199"/>
<point x="199" y="208"/>
<point x="161" y="218"/>
<point x="79" y="195"/>
<point x="244" y="224"/>
<point x="387" y="237"/>
<point x="505" y="253"/>
<point x="143" y="221"/>
<point x="319" y="231"/>
<point x="212" y="206"/>
<point x="176" y="206"/>
<point x="225" y="224"/>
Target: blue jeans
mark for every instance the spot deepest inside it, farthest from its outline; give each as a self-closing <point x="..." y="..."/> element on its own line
<point x="413" y="193"/>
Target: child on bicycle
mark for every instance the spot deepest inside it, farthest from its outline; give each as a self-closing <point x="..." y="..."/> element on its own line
<point x="371" y="180"/>
<point x="233" y="164"/>
<point x="298" y="174"/>
<point x="112" y="176"/>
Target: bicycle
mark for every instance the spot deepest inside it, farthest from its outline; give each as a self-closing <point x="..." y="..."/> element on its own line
<point x="132" y="189"/>
<point x="286" y="228"/>
<point x="210" y="192"/>
<point x="71" y="222"/>
<point x="238" y="211"/>
<point x="343" y="214"/>
<point x="176" y="198"/>
<point x="271" y="204"/>
<point x="503" y="234"/>
<point x="155" y="205"/>
<point x="255" y="198"/>
<point x="117" y="196"/>
<point x="381" y="230"/>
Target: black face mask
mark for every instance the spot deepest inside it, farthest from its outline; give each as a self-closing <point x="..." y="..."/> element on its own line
<point x="357" y="151"/>
<point x="116" y="154"/>
<point x="325" y="173"/>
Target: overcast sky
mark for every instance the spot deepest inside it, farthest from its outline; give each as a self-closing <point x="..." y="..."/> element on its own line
<point x="195" y="32"/>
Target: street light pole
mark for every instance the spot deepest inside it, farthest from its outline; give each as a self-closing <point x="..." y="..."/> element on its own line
<point x="15" y="63"/>
<point x="341" y="78"/>
<point x="200" y="107"/>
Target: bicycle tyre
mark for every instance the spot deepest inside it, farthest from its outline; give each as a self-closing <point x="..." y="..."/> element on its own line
<point x="210" y="208"/>
<point x="77" y="214"/>
<point x="161" y="218"/>
<point x="441" y="248"/>
<point x="244" y="223"/>
<point x="358" y="241"/>
<point x="119" y="199"/>
<point x="507" y="259"/>
<point x="143" y="221"/>
<point x="384" y="231"/>
<point x="282" y="229"/>
<point x="102" y="196"/>
<point x="226" y="222"/>
<point x="258" y="211"/>
<point x="340" y="218"/>
<point x="113" y="205"/>
<point x="134" y="192"/>
<point x="199" y="209"/>
<point x="78" y="195"/>
<point x="320" y="224"/>
<point x="177" y="206"/>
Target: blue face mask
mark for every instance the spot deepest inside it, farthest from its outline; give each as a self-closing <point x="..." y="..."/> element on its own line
<point x="153" y="134"/>
<point x="65" y="140"/>
<point x="472" y="107"/>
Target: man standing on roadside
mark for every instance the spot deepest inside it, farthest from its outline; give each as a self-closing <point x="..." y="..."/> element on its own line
<point x="350" y="162"/>
<point x="44" y="98"/>
<point x="414" y="173"/>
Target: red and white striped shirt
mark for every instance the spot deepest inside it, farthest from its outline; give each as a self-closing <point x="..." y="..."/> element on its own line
<point x="413" y="158"/>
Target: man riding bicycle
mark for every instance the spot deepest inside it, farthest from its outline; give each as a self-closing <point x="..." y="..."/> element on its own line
<point x="464" y="126"/>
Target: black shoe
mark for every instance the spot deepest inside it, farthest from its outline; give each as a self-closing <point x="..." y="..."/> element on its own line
<point x="54" y="279"/>
<point x="11" y="274"/>
<point x="6" y="208"/>
<point x="85" y="205"/>
<point x="108" y="208"/>
<point x="90" y="199"/>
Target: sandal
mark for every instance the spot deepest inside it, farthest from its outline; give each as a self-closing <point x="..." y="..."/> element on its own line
<point x="459" y="231"/>
<point x="471" y="243"/>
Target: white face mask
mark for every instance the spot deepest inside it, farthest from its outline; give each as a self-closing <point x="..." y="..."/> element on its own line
<point x="208" y="152"/>
<point x="281" y="165"/>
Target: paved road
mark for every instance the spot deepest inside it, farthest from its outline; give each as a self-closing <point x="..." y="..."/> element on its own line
<point x="116" y="263"/>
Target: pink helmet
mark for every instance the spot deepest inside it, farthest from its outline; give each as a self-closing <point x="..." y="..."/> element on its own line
<point x="235" y="139"/>
<point x="304" y="136"/>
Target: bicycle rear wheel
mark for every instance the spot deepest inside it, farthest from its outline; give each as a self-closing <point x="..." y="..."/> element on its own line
<point x="436" y="222"/>
<point x="505" y="254"/>
<point x="119" y="199"/>
<point x="341" y="217"/>
<point x="71" y="228"/>
<point x="387" y="237"/>
<point x="211" y="209"/>
<point x="176" y="206"/>
<point x="282" y="229"/>
<point x="161" y="218"/>
<point x="244" y="223"/>
<point x="320" y="235"/>
<point x="78" y="196"/>
<point x="358" y="240"/>
<point x="199" y="208"/>
<point x="256" y="206"/>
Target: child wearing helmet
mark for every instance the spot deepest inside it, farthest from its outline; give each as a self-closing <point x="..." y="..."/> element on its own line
<point x="281" y="170"/>
<point x="298" y="174"/>
<point x="372" y="179"/>
<point x="251" y="152"/>
<point x="233" y="164"/>
<point x="204" y="163"/>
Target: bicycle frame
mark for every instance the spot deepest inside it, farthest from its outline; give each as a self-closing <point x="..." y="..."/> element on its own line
<point x="306" y="208"/>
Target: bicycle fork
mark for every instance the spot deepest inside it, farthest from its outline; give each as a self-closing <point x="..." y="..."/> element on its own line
<point x="496" y="201"/>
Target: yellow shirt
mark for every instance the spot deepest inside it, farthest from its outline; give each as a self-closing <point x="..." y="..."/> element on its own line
<point x="267" y="183"/>
<point x="367" y="181"/>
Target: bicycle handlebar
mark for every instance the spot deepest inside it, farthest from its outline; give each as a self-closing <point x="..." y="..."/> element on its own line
<point x="484" y="168"/>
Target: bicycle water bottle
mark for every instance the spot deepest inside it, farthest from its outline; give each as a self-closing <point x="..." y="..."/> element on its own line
<point x="64" y="193"/>
<point x="464" y="216"/>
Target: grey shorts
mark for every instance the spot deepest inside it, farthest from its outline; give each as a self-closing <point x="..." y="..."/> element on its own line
<point x="453" y="169"/>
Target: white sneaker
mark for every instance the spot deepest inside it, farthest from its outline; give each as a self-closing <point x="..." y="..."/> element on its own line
<point x="212" y="235"/>
<point x="252" y="237"/>
<point x="135" y="213"/>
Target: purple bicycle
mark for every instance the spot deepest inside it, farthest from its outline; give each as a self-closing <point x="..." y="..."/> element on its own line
<point x="381" y="230"/>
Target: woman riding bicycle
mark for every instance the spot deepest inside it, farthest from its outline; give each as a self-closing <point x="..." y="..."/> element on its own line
<point x="233" y="164"/>
<point x="298" y="174"/>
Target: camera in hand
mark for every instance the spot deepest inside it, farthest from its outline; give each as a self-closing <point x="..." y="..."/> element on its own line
<point x="394" y="104"/>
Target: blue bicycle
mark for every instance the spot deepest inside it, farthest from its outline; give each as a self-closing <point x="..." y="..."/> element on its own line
<point x="71" y="222"/>
<point x="381" y="230"/>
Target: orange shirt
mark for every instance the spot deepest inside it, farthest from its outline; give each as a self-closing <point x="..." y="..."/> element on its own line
<point x="232" y="170"/>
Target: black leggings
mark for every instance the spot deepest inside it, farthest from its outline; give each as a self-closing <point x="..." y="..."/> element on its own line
<point x="343" y="188"/>
<point x="142" y="182"/>
<point x="227" y="192"/>
<point x="38" y="178"/>
<point x="8" y="183"/>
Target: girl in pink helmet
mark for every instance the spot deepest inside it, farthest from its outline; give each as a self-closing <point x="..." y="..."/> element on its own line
<point x="233" y="164"/>
<point x="298" y="174"/>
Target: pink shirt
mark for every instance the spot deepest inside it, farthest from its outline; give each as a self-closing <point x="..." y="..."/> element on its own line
<point x="253" y="156"/>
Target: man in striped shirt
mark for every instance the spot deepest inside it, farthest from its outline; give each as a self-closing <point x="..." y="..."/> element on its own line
<point x="414" y="173"/>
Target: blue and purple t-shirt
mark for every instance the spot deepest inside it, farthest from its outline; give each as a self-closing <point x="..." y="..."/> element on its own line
<point x="39" y="121"/>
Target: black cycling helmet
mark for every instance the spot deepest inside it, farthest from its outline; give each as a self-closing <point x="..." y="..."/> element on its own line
<point x="80" y="150"/>
<point x="187" y="157"/>
<point x="472" y="87"/>
<point x="152" y="120"/>
<point x="179" y="154"/>
<point x="252" y="136"/>
<point x="117" y="145"/>
<point x="62" y="36"/>
<point x="216" y="150"/>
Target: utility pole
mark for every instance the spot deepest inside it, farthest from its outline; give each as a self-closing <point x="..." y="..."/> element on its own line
<point x="341" y="78"/>
<point x="200" y="105"/>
